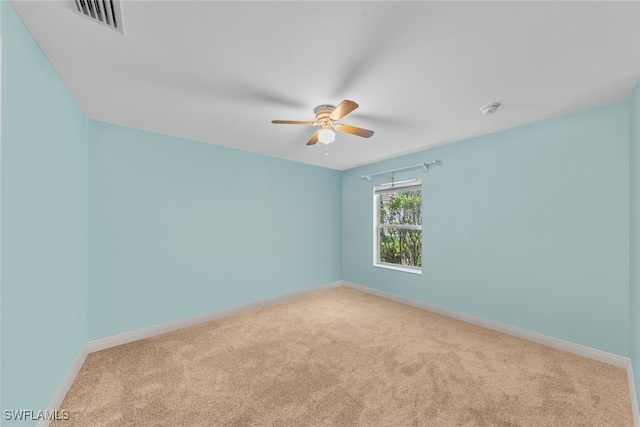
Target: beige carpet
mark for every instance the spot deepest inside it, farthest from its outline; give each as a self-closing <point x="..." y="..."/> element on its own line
<point x="343" y="358"/>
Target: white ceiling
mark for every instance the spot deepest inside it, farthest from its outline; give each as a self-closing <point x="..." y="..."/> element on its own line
<point x="219" y="72"/>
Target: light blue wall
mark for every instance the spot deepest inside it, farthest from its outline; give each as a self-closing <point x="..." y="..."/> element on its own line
<point x="528" y="227"/>
<point x="43" y="178"/>
<point x="180" y="228"/>
<point x="634" y="233"/>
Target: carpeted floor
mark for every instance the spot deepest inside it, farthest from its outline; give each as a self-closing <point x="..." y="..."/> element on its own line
<point x="343" y="358"/>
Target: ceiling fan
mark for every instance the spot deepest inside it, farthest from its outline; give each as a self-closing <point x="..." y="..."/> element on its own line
<point x="326" y="118"/>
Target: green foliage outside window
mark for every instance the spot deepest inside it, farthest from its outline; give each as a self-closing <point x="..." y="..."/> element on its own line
<point x="400" y="245"/>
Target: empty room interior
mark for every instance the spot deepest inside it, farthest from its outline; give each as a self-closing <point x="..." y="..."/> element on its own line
<point x="319" y="213"/>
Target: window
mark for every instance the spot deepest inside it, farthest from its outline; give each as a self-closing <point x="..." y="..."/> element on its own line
<point x="398" y="226"/>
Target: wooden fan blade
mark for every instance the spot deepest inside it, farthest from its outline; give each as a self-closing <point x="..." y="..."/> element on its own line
<point x="343" y="109"/>
<point x="314" y="138"/>
<point x="365" y="133"/>
<point x="292" y="122"/>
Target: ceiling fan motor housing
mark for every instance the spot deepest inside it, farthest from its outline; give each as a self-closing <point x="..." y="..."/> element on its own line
<point x="323" y="112"/>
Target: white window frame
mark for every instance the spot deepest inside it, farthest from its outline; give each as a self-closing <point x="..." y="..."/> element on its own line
<point x="388" y="188"/>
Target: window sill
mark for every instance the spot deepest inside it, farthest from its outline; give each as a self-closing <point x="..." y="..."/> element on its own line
<point x="412" y="270"/>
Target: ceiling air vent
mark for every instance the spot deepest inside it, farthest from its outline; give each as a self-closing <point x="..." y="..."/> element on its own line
<point x="106" y="12"/>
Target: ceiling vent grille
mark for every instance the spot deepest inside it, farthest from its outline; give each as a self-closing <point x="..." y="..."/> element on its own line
<point x="106" y="12"/>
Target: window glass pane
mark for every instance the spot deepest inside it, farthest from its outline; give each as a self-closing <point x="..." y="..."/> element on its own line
<point x="399" y="246"/>
<point x="402" y="207"/>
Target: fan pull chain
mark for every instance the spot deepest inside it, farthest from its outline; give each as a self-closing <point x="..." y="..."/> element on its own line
<point x="326" y="151"/>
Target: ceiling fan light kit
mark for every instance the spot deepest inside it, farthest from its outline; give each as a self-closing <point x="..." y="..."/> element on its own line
<point x="327" y="117"/>
<point x="326" y="136"/>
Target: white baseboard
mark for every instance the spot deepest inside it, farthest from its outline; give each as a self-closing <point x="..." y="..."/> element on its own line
<point x="581" y="350"/>
<point x="634" y="395"/>
<point x="59" y="395"/>
<point x="127" y="337"/>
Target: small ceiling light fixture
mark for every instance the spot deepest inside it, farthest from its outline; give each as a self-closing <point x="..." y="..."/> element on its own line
<point x="490" y="109"/>
<point x="326" y="136"/>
